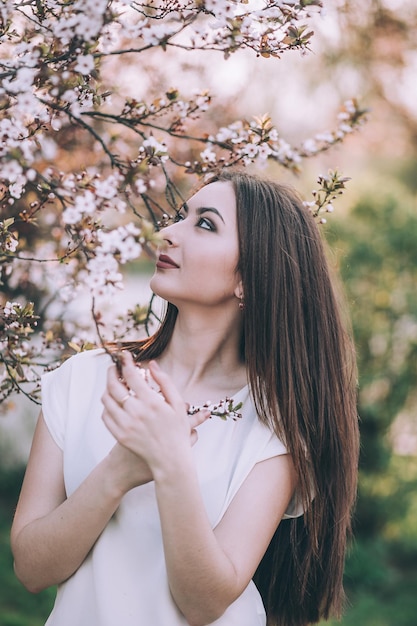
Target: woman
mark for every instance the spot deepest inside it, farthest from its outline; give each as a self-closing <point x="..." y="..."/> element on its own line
<point x="146" y="512"/>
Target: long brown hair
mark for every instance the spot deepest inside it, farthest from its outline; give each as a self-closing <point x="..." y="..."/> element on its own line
<point x="301" y="369"/>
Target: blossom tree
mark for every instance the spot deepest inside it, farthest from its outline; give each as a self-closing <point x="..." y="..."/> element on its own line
<point x="89" y="176"/>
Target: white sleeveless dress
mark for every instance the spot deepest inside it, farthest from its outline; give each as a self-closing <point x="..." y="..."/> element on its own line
<point x="123" y="581"/>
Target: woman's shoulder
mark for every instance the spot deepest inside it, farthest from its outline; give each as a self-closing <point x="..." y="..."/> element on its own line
<point x="83" y="366"/>
<point x="97" y="357"/>
<point x="88" y="355"/>
<point x="71" y="387"/>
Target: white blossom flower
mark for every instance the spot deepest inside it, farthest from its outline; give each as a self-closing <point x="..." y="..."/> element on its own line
<point x="56" y="123"/>
<point x="208" y="156"/>
<point x="69" y="96"/>
<point x="109" y="241"/>
<point x="22" y="81"/>
<point x="350" y="106"/>
<point x="225" y="134"/>
<point x="325" y="137"/>
<point x="202" y="101"/>
<point x="310" y="146"/>
<point x="28" y="106"/>
<point x="48" y="147"/>
<point x="131" y="229"/>
<point x="309" y="205"/>
<point x="345" y="128"/>
<point x="119" y="205"/>
<point x="140" y="185"/>
<point x="103" y="277"/>
<point x="157" y="146"/>
<point x="85" y="64"/>
<point x="71" y="215"/>
<point x="181" y="108"/>
<point x="130" y="250"/>
<point x="156" y="33"/>
<point x="63" y="29"/>
<point x="133" y="29"/>
<point x="28" y="56"/>
<point x="93" y="7"/>
<point x="11" y="243"/>
<point x="264" y="151"/>
<point x="250" y="150"/>
<point x="11" y="308"/>
<point x="122" y="241"/>
<point x="86" y="203"/>
<point x="11" y="170"/>
<point x="16" y="189"/>
<point x="106" y="188"/>
<point x="343" y="115"/>
<point x="216" y="6"/>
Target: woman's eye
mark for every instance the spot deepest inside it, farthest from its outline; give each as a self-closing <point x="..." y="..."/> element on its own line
<point x="178" y="217"/>
<point x="206" y="224"/>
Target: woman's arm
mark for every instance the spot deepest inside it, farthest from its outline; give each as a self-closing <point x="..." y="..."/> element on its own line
<point x="207" y="569"/>
<point x="52" y="535"/>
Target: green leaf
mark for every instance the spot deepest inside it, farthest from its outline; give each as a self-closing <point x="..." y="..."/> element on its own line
<point x="8" y="222"/>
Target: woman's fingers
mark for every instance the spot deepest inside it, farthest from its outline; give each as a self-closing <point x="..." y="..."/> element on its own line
<point x="193" y="436"/>
<point x="199" y="418"/>
<point x="137" y="383"/>
<point x="113" y="414"/>
<point x="115" y="387"/>
<point x="133" y="378"/>
<point x="121" y="397"/>
<point x="195" y="420"/>
<point x="167" y="387"/>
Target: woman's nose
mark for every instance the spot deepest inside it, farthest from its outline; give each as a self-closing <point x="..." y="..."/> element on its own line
<point x="169" y="235"/>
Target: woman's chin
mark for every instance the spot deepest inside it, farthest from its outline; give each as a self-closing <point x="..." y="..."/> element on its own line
<point x="155" y="285"/>
<point x="158" y="289"/>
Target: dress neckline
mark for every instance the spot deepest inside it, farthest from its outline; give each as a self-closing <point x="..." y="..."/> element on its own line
<point x="226" y="408"/>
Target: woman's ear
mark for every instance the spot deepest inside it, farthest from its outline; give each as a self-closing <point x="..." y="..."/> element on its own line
<point x="239" y="290"/>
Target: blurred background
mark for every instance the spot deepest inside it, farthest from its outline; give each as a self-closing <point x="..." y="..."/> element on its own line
<point x="365" y="49"/>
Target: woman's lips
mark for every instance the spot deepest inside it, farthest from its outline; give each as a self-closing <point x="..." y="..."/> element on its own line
<point x="165" y="262"/>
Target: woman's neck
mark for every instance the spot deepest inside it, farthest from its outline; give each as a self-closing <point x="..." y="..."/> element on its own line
<point x="203" y="353"/>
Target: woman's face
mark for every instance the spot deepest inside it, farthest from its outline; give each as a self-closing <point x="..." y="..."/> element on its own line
<point x="199" y="262"/>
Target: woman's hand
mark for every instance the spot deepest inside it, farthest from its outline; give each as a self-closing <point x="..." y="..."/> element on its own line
<point x="151" y="428"/>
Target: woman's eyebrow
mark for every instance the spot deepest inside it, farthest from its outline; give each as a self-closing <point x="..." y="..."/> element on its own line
<point x="209" y="209"/>
<point x="202" y="209"/>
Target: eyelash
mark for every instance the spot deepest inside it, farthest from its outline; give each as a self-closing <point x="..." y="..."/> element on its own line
<point x="209" y="223"/>
<point x="178" y="217"/>
<point x="202" y="220"/>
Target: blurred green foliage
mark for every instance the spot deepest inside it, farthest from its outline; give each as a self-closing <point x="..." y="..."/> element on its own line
<point x="376" y="246"/>
<point x="18" y="607"/>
